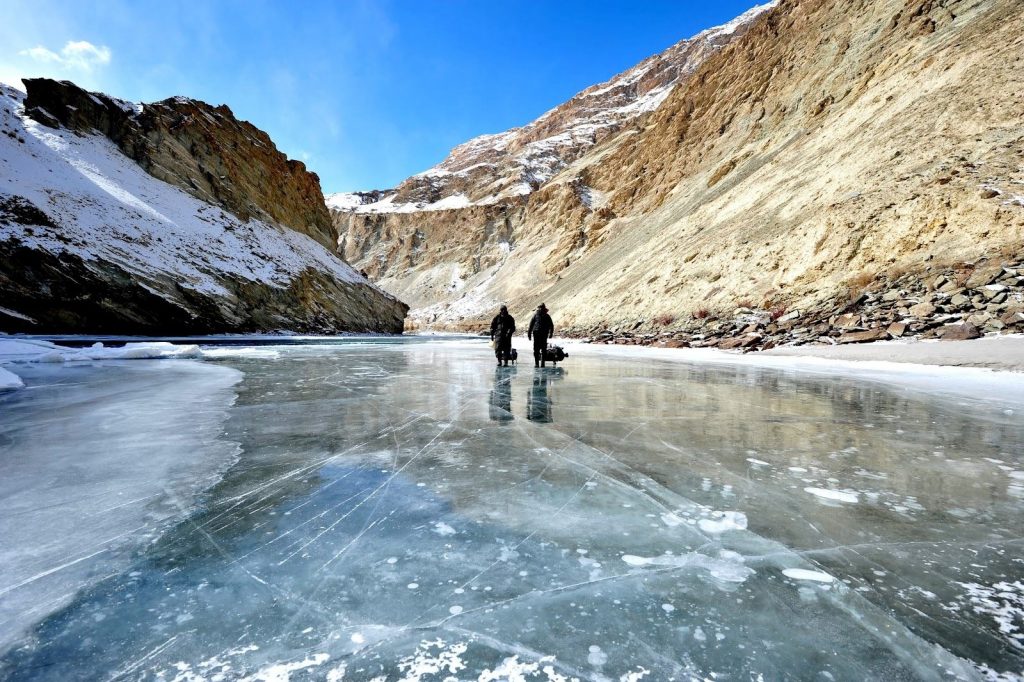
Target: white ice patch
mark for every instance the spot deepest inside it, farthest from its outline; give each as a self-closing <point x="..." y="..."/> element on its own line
<point x="836" y="495"/>
<point x="9" y="380"/>
<point x="543" y="670"/>
<point x="42" y="351"/>
<point x="443" y="529"/>
<point x="1004" y="603"/>
<point x="671" y="520"/>
<point x="722" y="521"/>
<point x="805" y="574"/>
<point x="242" y="352"/>
<point x="727" y="568"/>
<point x="281" y="672"/>
<point x="433" y="658"/>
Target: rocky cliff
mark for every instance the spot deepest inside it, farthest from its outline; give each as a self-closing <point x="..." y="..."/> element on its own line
<point x="440" y="234"/>
<point x="165" y="218"/>
<point x="824" y="146"/>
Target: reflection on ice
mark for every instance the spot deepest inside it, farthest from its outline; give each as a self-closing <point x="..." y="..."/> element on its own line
<point x="409" y="513"/>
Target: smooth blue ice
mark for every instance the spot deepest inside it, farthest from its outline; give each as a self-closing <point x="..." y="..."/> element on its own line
<point x="406" y="511"/>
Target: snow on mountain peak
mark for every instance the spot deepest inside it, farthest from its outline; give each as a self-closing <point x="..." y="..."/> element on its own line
<point x="496" y="166"/>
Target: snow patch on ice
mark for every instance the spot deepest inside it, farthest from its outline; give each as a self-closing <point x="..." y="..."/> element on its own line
<point x="728" y="568"/>
<point x="10" y="381"/>
<point x="281" y="672"/>
<point x="48" y="352"/>
<point x="442" y="528"/>
<point x="1004" y="603"/>
<point x="242" y="352"/>
<point x="849" y="496"/>
<point x="721" y="521"/>
<point x="805" y="574"/>
<point x="433" y="658"/>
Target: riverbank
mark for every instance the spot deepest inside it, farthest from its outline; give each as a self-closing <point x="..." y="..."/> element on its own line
<point x="984" y="369"/>
<point x="1002" y="353"/>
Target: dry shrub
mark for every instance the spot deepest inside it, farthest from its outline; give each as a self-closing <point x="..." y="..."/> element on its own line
<point x="860" y="281"/>
<point x="701" y="314"/>
<point x="745" y="303"/>
<point x="962" y="275"/>
<point x="897" y="272"/>
<point x="777" y="312"/>
<point x="665" y="319"/>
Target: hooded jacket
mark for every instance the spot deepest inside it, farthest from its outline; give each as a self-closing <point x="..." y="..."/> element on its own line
<point x="541" y="325"/>
<point x="503" y="326"/>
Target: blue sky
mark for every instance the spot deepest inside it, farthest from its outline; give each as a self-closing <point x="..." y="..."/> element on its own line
<point x="366" y="92"/>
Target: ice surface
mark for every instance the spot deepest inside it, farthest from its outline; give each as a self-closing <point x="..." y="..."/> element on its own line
<point x="95" y="460"/>
<point x="405" y="511"/>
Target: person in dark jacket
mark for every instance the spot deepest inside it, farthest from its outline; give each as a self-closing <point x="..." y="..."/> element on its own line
<point x="503" y="326"/>
<point x="540" y="329"/>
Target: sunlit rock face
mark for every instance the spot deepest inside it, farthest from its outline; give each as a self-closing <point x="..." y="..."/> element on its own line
<point x="823" y="143"/>
<point x="164" y="218"/>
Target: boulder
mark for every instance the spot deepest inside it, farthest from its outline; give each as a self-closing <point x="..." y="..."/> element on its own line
<point x="979" y="319"/>
<point x="896" y="329"/>
<point x="864" y="336"/>
<point x="922" y="310"/>
<point x="848" y="321"/>
<point x="959" y="332"/>
<point x="1013" y="317"/>
<point x="790" y="316"/>
<point x="891" y="295"/>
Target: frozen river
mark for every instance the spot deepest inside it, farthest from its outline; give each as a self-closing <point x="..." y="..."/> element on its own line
<point x="403" y="510"/>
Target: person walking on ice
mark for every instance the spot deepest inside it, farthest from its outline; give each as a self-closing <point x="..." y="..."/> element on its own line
<point x="503" y="326"/>
<point x="540" y="329"/>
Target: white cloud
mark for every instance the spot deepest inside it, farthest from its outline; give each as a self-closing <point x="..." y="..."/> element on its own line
<point x="80" y="55"/>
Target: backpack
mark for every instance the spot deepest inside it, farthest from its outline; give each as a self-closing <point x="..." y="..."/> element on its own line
<point x="555" y="354"/>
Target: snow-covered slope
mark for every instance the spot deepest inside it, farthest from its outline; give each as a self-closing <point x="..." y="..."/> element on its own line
<point x="77" y="197"/>
<point x="491" y="168"/>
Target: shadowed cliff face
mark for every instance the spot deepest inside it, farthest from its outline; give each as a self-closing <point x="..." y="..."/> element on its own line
<point x="171" y="218"/>
<point x="825" y="143"/>
<point x="65" y="294"/>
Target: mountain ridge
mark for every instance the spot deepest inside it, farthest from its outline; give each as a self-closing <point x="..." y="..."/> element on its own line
<point x="493" y="167"/>
<point x="162" y="219"/>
